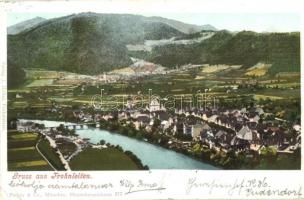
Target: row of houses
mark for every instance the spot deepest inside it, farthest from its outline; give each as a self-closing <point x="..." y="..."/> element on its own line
<point x="238" y="128"/>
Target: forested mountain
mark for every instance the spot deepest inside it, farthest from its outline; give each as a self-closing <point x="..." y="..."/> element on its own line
<point x="282" y="50"/>
<point x="91" y="43"/>
<point x="85" y="43"/>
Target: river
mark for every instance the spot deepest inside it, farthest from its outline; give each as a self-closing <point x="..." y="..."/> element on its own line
<point x="155" y="157"/>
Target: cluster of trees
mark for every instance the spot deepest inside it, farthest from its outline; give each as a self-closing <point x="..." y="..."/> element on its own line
<point x="184" y="137"/>
<point x="237" y="101"/>
<point x="251" y="87"/>
<point x="15" y="76"/>
<point x="288" y="110"/>
<point x="271" y="159"/>
<point x="137" y="161"/>
<point x="66" y="131"/>
<point x="229" y="160"/>
<point x="267" y="159"/>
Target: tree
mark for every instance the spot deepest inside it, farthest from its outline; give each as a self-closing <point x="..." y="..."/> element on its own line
<point x="197" y="149"/>
<point x="15" y="75"/>
<point x="156" y="124"/>
<point x="60" y="128"/>
<point x="268" y="158"/>
<point x="131" y="133"/>
<point x="139" y="135"/>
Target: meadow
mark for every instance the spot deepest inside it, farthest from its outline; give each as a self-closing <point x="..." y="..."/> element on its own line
<point x="102" y="159"/>
<point x="22" y="153"/>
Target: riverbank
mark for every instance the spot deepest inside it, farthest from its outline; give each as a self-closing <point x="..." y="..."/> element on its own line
<point x="203" y="154"/>
<point x="196" y="151"/>
<point x="141" y="135"/>
<point x="154" y="156"/>
<point x="161" y="140"/>
<point x="56" y="145"/>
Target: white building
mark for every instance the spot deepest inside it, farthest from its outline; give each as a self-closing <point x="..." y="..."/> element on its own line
<point x="155" y="105"/>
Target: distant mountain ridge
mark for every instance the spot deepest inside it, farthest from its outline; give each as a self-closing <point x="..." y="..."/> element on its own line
<point x="91" y="43"/>
<point x="17" y="28"/>
<point x="183" y="27"/>
<point x="84" y="43"/>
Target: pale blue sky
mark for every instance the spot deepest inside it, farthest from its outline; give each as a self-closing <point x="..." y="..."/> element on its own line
<point x="259" y="22"/>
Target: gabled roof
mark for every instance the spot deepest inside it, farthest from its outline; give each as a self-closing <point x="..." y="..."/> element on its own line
<point x="259" y="110"/>
<point x="213" y="117"/>
<point x="206" y="127"/>
<point x="245" y="133"/>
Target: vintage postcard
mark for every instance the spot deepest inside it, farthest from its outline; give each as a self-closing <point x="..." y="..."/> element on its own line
<point x="151" y="100"/>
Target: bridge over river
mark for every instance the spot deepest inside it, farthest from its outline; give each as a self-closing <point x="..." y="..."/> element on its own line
<point x="69" y="125"/>
<point x="78" y="126"/>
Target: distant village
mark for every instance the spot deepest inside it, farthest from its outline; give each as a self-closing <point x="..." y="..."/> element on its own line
<point x="138" y="69"/>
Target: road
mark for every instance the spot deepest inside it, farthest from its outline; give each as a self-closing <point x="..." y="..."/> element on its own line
<point x="44" y="156"/>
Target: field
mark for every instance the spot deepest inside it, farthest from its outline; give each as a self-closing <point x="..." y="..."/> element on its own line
<point x="221" y="81"/>
<point x="40" y="83"/>
<point x="22" y="153"/>
<point x="42" y="74"/>
<point x="105" y="159"/>
<point x="218" y="68"/>
<point x="259" y="69"/>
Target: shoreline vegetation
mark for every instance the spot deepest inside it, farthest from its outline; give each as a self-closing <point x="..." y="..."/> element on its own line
<point x="268" y="158"/>
<point x="108" y="157"/>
